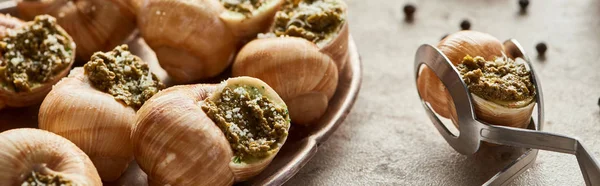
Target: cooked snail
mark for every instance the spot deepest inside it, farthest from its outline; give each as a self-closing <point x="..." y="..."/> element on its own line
<point x="191" y="42"/>
<point x="500" y="86"/>
<point x="95" y="107"/>
<point x="301" y="56"/>
<point x="35" y="55"/>
<point x="38" y="157"/>
<point x="246" y="18"/>
<point x="96" y="25"/>
<point x="210" y="134"/>
<point x="322" y="22"/>
<point x="304" y="77"/>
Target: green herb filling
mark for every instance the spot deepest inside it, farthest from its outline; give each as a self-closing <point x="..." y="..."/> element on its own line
<point x="33" y="54"/>
<point x="314" y="20"/>
<point x="500" y="80"/>
<point x="253" y="124"/>
<point x="123" y="75"/>
<point x="245" y="7"/>
<point x="38" y="179"/>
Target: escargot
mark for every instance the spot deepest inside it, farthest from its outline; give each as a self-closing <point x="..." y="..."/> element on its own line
<point x="500" y="86"/>
<point x="35" y="56"/>
<point x="301" y="56"/>
<point x="95" y="107"/>
<point x="247" y="18"/>
<point x="95" y="25"/>
<point x="305" y="78"/>
<point x="208" y="134"/>
<point x="38" y="157"/>
<point x="190" y="40"/>
<point x="197" y="39"/>
<point x="322" y="22"/>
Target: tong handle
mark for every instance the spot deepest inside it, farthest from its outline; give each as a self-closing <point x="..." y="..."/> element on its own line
<point x="545" y="141"/>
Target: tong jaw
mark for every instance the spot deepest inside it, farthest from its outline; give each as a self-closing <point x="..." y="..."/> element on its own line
<point x="467" y="141"/>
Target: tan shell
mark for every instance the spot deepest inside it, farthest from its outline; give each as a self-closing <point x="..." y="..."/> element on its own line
<point x="36" y="95"/>
<point x="176" y="143"/>
<point x="93" y="120"/>
<point x="248" y="27"/>
<point x="304" y="77"/>
<point x="188" y="37"/>
<point x="25" y="150"/>
<point x="8" y="22"/>
<point x="337" y="48"/>
<point x="94" y="25"/>
<point x="456" y="46"/>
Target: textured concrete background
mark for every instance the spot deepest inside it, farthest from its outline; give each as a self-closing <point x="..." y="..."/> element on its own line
<point x="388" y="140"/>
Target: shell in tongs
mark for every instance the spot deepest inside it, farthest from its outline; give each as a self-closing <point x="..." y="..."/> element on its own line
<point x="514" y="113"/>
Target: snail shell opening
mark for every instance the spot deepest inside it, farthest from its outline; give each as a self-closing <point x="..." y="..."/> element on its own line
<point x="10" y="96"/>
<point x="30" y="154"/>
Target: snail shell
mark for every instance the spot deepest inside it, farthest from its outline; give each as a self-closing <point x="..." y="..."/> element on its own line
<point x="8" y="22"/>
<point x="93" y="120"/>
<point x="95" y="25"/>
<point x="336" y="44"/>
<point x="304" y="77"/>
<point x="36" y="95"/>
<point x="456" y="46"/>
<point x="337" y="48"/>
<point x="188" y="37"/>
<point x="176" y="143"/>
<point x="259" y="21"/>
<point x="32" y="150"/>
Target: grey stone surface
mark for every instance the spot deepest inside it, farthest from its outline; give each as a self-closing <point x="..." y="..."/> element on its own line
<point x="388" y="140"/>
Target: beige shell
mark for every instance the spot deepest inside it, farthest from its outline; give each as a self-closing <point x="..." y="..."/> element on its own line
<point x="188" y="37"/>
<point x="93" y="120"/>
<point x="303" y="76"/>
<point x="248" y="27"/>
<point x="336" y="46"/>
<point x="456" y="46"/>
<point x="176" y="143"/>
<point x="26" y="150"/>
<point x="36" y="95"/>
<point x="8" y="22"/>
<point x="95" y="25"/>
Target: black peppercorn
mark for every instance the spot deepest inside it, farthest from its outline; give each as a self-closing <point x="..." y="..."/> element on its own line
<point x="465" y="25"/>
<point x="598" y="101"/>
<point x="409" y="11"/>
<point x="523" y="4"/>
<point x="444" y="37"/>
<point x="541" y="48"/>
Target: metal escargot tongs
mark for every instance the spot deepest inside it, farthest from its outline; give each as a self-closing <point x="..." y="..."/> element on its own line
<point x="472" y="131"/>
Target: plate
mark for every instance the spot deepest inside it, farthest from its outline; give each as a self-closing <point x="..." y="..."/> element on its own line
<point x="301" y="145"/>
